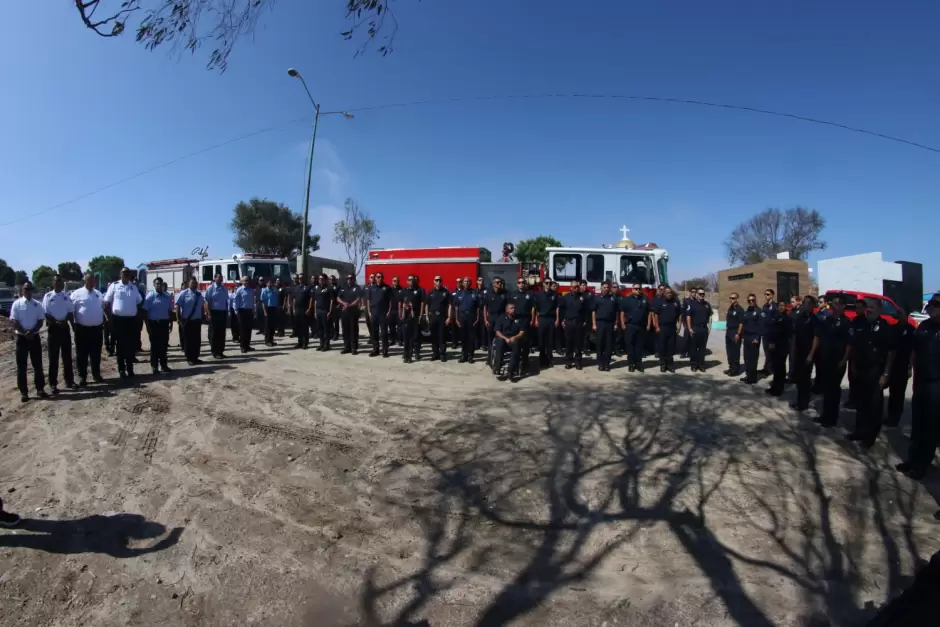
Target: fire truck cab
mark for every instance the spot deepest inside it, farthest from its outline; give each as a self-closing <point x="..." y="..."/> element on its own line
<point x="251" y="265"/>
<point x="621" y="265"/>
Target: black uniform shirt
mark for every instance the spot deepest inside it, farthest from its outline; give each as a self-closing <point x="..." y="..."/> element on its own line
<point x="301" y="297"/>
<point x="573" y="305"/>
<point x="927" y="351"/>
<point x="777" y="327"/>
<point x="871" y="343"/>
<point x="588" y="304"/>
<point x="350" y="294"/>
<point x="524" y="303"/>
<point x="669" y="311"/>
<point x="411" y="299"/>
<point x="905" y="344"/>
<point x="605" y="307"/>
<point x="804" y="328"/>
<point x="685" y="307"/>
<point x="733" y="318"/>
<point x="397" y="292"/>
<point x="657" y="301"/>
<point x="753" y="322"/>
<point x="768" y="310"/>
<point x="495" y="302"/>
<point x="636" y="310"/>
<point x="466" y="302"/>
<point x="699" y="312"/>
<point x="380" y="298"/>
<point x="438" y="301"/>
<point x="509" y="327"/>
<point x="833" y="334"/>
<point x="284" y="293"/>
<point x="547" y="304"/>
<point x="323" y="296"/>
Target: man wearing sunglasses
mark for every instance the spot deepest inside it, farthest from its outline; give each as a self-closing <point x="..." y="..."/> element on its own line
<point x="752" y="325"/>
<point x="734" y="320"/>
<point x="546" y="321"/>
<point x="494" y="305"/>
<point x="349" y="300"/>
<point x="438" y="313"/>
<point x="769" y="311"/>
<point x="524" y="313"/>
<point x="634" y="318"/>
<point x="698" y="316"/>
<point x="28" y="316"/>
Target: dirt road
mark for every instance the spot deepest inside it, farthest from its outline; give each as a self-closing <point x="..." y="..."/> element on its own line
<point x="300" y="488"/>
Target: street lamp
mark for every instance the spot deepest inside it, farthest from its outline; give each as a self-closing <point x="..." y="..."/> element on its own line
<point x="302" y="261"/>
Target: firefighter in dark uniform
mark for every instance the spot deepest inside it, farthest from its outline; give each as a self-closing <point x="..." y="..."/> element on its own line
<point x="831" y="346"/>
<point x="410" y="310"/>
<point x="634" y="318"/>
<point x="438" y="313"/>
<point x="777" y="335"/>
<point x="900" y="370"/>
<point x="871" y="355"/>
<point x="804" y="330"/>
<point x="666" y="318"/>
<point x="366" y="297"/>
<point x="604" y="317"/>
<point x="494" y="305"/>
<point x="698" y="316"/>
<point x="334" y="283"/>
<point x="684" y="342"/>
<point x="770" y="306"/>
<point x="394" y="333"/>
<point x="752" y="324"/>
<point x="381" y="301"/>
<point x="857" y="323"/>
<point x="620" y="344"/>
<point x="547" y="320"/>
<point x="454" y="330"/>
<point x="349" y="299"/>
<point x="654" y="306"/>
<point x="559" y="332"/>
<point x="925" y="406"/>
<point x="524" y="311"/>
<point x="467" y="308"/>
<point x="323" y="311"/>
<point x="734" y="318"/>
<point x="572" y="315"/>
<point x="479" y="334"/>
<point x="509" y="331"/>
<point x="587" y="324"/>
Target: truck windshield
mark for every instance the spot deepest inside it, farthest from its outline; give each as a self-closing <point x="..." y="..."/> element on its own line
<point x="6" y="294"/>
<point x="266" y="269"/>
<point x="636" y="269"/>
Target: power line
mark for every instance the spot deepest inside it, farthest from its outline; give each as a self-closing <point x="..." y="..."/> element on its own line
<point x="415" y="103"/>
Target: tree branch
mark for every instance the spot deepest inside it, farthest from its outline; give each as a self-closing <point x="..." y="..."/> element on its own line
<point x="87" y="12"/>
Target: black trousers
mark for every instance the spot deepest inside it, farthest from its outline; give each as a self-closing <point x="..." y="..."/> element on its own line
<point x="586" y="330"/>
<point x="467" y="330"/>
<point x="490" y="330"/>
<point x="925" y="424"/>
<point x="802" y="375"/>
<point x="324" y="329"/>
<point x="768" y="357"/>
<point x="246" y="322"/>
<point x="515" y="350"/>
<point x="832" y="375"/>
<point x="411" y="336"/>
<point x="301" y="328"/>
<point x="666" y="346"/>
<point x="334" y="319"/>
<point x="369" y="327"/>
<point x="605" y="342"/>
<point x="525" y="343"/>
<point x="217" y="327"/>
<point x="192" y="336"/>
<point x="108" y="338"/>
<point x="636" y="344"/>
<point x="697" y="346"/>
<point x="546" y="334"/>
<point x="59" y="339"/>
<point x="853" y="388"/>
<point x="125" y="343"/>
<point x="380" y="331"/>
<point x="897" y="387"/>
<point x="778" y="367"/>
<point x="282" y="323"/>
<point x="159" y="332"/>
<point x="869" y="413"/>
<point x="236" y="327"/>
<point x="733" y="351"/>
<point x="792" y="359"/>
<point x="393" y="327"/>
<point x="29" y="348"/>
<point x="351" y="329"/>
<point x="88" y="349"/>
<point x="574" y="341"/>
<point x="454" y="335"/>
<point x="438" y="334"/>
<point x="481" y="335"/>
<point x="271" y="323"/>
<point x="750" y="346"/>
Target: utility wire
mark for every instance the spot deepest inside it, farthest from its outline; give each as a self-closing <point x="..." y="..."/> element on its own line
<point x="415" y="103"/>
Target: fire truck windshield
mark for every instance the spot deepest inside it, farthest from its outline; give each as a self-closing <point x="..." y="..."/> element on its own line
<point x="636" y="269"/>
<point x="267" y="269"/>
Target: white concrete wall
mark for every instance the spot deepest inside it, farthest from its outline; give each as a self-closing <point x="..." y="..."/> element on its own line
<point x="862" y="273"/>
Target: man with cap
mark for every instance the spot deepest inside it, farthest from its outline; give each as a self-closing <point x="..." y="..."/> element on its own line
<point x="59" y="308"/>
<point x="524" y="313"/>
<point x="121" y="304"/>
<point x="28" y="316"/>
<point x="349" y="299"/>
<point x="634" y="318"/>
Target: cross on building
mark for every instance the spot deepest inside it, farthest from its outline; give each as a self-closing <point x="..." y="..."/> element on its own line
<point x="624" y="230"/>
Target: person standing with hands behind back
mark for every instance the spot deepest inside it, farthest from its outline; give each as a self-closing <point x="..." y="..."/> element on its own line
<point x="27" y="316"/>
<point x="59" y="314"/>
<point x="734" y="320"/>
<point x="121" y="304"/>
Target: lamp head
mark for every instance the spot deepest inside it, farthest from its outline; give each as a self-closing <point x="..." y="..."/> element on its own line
<point x="293" y="73"/>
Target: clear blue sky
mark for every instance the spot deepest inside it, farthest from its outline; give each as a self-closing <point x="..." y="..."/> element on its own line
<point x="80" y="112"/>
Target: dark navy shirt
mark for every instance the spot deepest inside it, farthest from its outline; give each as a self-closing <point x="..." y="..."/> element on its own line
<point x="669" y="312"/>
<point x="871" y="343"/>
<point x="927" y="351"/>
<point x="466" y="301"/>
<point x="573" y="305"/>
<point x="588" y="304"/>
<point x="833" y="334"/>
<point x="604" y="307"/>
<point x="350" y="294"/>
<point x="777" y="327"/>
<point x="411" y="300"/>
<point x="547" y="304"/>
<point x="753" y="321"/>
<point x="524" y="303"/>
<point x="699" y="313"/>
<point x="301" y="297"/>
<point x="733" y="318"/>
<point x="438" y="301"/>
<point x="509" y="327"/>
<point x="495" y="302"/>
<point x="635" y="310"/>
<point x="380" y="298"/>
<point x="804" y="329"/>
<point x="768" y="310"/>
<point x="323" y="296"/>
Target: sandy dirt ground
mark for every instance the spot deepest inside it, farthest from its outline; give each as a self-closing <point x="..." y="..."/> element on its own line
<point x="310" y="489"/>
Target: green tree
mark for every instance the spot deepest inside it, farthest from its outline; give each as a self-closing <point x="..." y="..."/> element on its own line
<point x="70" y="271"/>
<point x="188" y="24"/>
<point x="42" y="277"/>
<point x="7" y="274"/>
<point x="21" y="277"/>
<point x="109" y="266"/>
<point x="796" y="230"/>
<point x="533" y="250"/>
<point x="267" y="227"/>
<point x="357" y="233"/>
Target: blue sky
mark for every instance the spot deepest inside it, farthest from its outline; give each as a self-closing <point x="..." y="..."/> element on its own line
<point x="81" y="112"/>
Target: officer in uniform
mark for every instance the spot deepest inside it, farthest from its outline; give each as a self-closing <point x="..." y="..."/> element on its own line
<point x="698" y="316"/>
<point x="323" y="312"/>
<point x="381" y="301"/>
<point x="547" y="320"/>
<point x="438" y="313"/>
<point x="734" y="319"/>
<point x="410" y="310"/>
<point x="270" y="298"/>
<point x="666" y="317"/>
<point x="467" y="307"/>
<point x="524" y="311"/>
<point x="284" y="293"/>
<point x="634" y="318"/>
<point x="233" y="315"/>
<point x="831" y="346"/>
<point x="245" y="306"/>
<point x="510" y="332"/>
<point x="620" y="344"/>
<point x="604" y="316"/>
<point x="494" y="305"/>
<point x="925" y="405"/>
<point x="58" y="307"/>
<point x="900" y="369"/>
<point x="106" y="327"/>
<point x="654" y="307"/>
<point x="572" y="314"/>
<point x="87" y="323"/>
<point x="454" y="330"/>
<point x="394" y="332"/>
<point x="871" y="354"/>
<point x="587" y="324"/>
<point x="684" y="342"/>
<point x="350" y="302"/>
<point x="752" y="325"/>
<point x="121" y="303"/>
<point x="769" y="309"/>
<point x="334" y="285"/>
<point x="28" y="316"/>
<point x="559" y="332"/>
<point x="804" y="330"/>
<point x="158" y="309"/>
<point x="480" y="332"/>
<point x="366" y="297"/>
<point x="300" y="303"/>
<point x="189" y="309"/>
<point x="217" y="316"/>
<point x="779" y="329"/>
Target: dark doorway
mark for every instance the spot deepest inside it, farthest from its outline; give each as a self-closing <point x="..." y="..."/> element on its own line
<point x="788" y="285"/>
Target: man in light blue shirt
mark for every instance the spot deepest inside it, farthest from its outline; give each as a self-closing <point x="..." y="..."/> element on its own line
<point x="189" y="309"/>
<point x="158" y="307"/>
<point x="271" y="307"/>
<point x="217" y="305"/>
<point x="245" y="307"/>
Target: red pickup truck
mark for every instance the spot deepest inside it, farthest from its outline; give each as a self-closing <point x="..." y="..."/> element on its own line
<point x="889" y="309"/>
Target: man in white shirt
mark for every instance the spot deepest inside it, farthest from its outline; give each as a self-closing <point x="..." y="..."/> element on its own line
<point x="88" y="323"/>
<point x="58" y="308"/>
<point x="27" y="315"/>
<point x="120" y="304"/>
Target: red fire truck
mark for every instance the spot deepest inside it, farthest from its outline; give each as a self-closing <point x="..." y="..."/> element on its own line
<point x="449" y="263"/>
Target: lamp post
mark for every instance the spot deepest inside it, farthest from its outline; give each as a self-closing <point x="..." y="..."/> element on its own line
<point x="302" y="261"/>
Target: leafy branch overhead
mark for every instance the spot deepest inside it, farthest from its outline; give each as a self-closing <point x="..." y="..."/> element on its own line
<point x="357" y="232"/>
<point x="533" y="250"/>
<point x="189" y="24"/>
<point x="796" y="230"/>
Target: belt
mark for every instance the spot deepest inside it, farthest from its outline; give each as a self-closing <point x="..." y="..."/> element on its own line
<point x="89" y="326"/>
